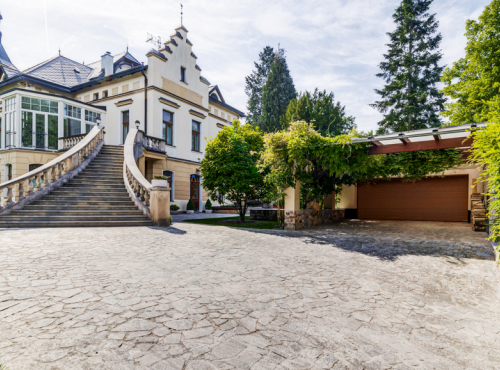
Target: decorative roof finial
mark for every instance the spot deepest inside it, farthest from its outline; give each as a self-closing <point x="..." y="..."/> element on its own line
<point x="59" y="51"/>
<point x="181" y="14"/>
<point x="127" y="47"/>
<point x="1" y="16"/>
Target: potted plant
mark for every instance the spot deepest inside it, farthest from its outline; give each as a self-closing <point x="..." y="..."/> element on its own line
<point x="160" y="181"/>
<point x="174" y="207"/>
<point x="190" y="207"/>
<point x="208" y="206"/>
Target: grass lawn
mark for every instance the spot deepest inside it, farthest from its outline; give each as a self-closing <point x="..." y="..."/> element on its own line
<point x="234" y="222"/>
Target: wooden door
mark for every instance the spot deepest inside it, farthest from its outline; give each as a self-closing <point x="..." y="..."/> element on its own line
<point x="195" y="191"/>
<point x="430" y="199"/>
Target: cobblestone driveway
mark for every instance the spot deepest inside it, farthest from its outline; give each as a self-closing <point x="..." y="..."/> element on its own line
<point x="357" y="295"/>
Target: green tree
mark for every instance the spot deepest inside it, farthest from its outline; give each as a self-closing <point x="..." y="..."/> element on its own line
<point x="229" y="168"/>
<point x="254" y="84"/>
<point x="276" y="93"/>
<point x="319" y="108"/>
<point x="473" y="82"/>
<point x="410" y="99"/>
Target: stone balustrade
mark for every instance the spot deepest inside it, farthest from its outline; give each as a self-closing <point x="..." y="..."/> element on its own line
<point x="26" y="188"/>
<point x="70" y="141"/>
<point x="146" y="197"/>
<point x="154" y="143"/>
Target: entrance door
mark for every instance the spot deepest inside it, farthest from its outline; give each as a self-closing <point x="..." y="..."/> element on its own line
<point x="195" y="191"/>
<point x="431" y="199"/>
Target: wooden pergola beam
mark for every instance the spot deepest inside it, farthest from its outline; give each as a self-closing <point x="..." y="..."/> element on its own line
<point x="459" y="142"/>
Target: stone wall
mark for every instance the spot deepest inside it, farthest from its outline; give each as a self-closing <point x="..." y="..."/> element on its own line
<point x="306" y="218"/>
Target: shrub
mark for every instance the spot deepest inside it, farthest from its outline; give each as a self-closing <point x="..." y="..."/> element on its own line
<point x="160" y="177"/>
<point x="174" y="207"/>
<point x="190" y="205"/>
<point x="208" y="205"/>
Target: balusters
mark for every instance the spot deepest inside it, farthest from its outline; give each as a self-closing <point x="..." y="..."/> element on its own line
<point x="50" y="175"/>
<point x="7" y="198"/>
<point x="20" y="191"/>
<point x="28" y="186"/>
<point x="146" y="198"/>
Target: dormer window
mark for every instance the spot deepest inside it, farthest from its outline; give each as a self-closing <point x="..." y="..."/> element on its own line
<point x="183" y="74"/>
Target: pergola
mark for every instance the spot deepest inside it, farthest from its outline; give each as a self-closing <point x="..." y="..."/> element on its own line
<point x="408" y="141"/>
<point x="426" y="139"/>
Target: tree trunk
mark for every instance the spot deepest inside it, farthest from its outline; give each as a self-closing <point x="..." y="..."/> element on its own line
<point x="242" y="210"/>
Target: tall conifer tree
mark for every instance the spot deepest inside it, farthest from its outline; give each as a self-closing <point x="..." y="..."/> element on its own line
<point x="410" y="99"/>
<point x="276" y="94"/>
<point x="254" y="84"/>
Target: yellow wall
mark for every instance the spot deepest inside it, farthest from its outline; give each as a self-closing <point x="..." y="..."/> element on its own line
<point x="20" y="159"/>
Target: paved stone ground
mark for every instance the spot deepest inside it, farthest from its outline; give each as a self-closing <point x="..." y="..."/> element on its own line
<point x="357" y="295"/>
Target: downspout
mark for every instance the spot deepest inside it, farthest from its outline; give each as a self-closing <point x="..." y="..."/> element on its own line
<point x="145" y="100"/>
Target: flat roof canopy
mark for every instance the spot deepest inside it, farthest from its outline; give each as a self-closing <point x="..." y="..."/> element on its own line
<point x="426" y="139"/>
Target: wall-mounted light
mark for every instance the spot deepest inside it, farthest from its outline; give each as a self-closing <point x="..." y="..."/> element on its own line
<point x="137" y="124"/>
<point x="98" y="121"/>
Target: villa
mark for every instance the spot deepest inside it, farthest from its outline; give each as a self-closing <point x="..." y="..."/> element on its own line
<point x="167" y="99"/>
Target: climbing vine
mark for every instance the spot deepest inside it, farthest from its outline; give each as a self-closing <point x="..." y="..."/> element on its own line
<point x="324" y="164"/>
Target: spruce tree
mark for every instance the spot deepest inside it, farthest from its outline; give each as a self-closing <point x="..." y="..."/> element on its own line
<point x="410" y="99"/>
<point x="276" y="94"/>
<point x="254" y="84"/>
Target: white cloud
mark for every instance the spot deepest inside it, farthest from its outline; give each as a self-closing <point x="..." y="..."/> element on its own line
<point x="334" y="45"/>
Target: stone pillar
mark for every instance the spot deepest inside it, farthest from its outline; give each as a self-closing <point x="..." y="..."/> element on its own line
<point x="329" y="201"/>
<point x="292" y="206"/>
<point x="160" y="206"/>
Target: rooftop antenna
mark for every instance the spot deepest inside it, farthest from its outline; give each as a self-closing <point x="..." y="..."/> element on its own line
<point x="181" y="14"/>
<point x="155" y="40"/>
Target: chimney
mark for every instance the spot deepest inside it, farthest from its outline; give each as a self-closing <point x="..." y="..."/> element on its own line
<point x="107" y="64"/>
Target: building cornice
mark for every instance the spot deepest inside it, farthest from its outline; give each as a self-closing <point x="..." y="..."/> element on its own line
<point x="218" y="118"/>
<point x="169" y="103"/>
<point x="155" y="88"/>
<point x="197" y="114"/>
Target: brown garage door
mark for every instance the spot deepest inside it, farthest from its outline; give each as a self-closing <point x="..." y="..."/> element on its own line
<point x="431" y="199"/>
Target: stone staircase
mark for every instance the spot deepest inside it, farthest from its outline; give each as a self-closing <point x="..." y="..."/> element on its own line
<point x="96" y="197"/>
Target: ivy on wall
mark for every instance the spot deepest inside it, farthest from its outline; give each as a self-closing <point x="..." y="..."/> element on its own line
<point x="486" y="153"/>
<point x="324" y="164"/>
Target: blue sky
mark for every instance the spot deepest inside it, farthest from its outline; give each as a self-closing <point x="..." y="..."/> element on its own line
<point x="333" y="44"/>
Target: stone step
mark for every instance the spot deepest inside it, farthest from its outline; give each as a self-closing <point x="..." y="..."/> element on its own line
<point x="76" y="212"/>
<point x="97" y="176"/>
<point x="88" y="223"/>
<point x="83" y="203"/>
<point x="87" y="207"/>
<point x="94" y="186"/>
<point x="93" y="169"/>
<point x="95" y="182"/>
<point x="90" y="192"/>
<point x="74" y="218"/>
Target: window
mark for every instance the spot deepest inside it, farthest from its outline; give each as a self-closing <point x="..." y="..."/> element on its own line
<point x="10" y="119"/>
<point x="195" y="137"/>
<point x="171" y="184"/>
<point x="105" y="94"/>
<point x="40" y="105"/>
<point x="26" y="129"/>
<point x="96" y="96"/>
<point x="183" y="74"/>
<point x="53" y="132"/>
<point x="125" y="123"/>
<point x="168" y="125"/>
<point x="91" y="120"/>
<point x="72" y="120"/>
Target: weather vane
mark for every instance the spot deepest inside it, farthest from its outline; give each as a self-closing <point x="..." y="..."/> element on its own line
<point x="181" y="14"/>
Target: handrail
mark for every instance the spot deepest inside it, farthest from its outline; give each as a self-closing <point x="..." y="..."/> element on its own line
<point x="71" y="141"/>
<point x="138" y="187"/>
<point x="31" y="183"/>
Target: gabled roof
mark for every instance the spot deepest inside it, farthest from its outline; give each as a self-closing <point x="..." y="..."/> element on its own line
<point x="7" y="66"/>
<point x="61" y="70"/>
<point x="217" y="95"/>
<point x="118" y="59"/>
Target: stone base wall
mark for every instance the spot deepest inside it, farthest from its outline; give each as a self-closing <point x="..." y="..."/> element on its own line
<point x="228" y="210"/>
<point x="264" y="214"/>
<point x="306" y="218"/>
